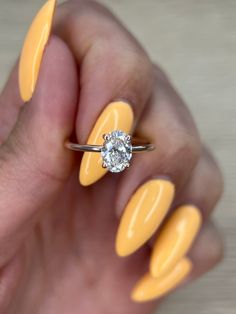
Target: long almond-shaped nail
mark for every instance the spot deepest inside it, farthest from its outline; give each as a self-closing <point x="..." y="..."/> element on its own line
<point x="175" y="239"/>
<point x="149" y="288"/>
<point x="116" y="116"/>
<point x="32" y="51"/>
<point x="143" y="215"/>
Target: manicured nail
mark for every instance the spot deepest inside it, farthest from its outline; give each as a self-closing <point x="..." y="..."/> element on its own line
<point x="175" y="239"/>
<point x="116" y="116"/>
<point x="143" y="215"/>
<point x="149" y="288"/>
<point x="32" y="52"/>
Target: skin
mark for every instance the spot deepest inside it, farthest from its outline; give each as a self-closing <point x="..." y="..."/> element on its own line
<point x="56" y="237"/>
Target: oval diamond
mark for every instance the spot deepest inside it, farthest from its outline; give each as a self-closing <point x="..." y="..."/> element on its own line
<point x="116" y="151"/>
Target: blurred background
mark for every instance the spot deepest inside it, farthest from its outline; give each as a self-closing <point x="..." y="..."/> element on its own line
<point x="195" y="42"/>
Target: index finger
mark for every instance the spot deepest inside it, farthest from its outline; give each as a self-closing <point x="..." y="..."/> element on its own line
<point x="112" y="66"/>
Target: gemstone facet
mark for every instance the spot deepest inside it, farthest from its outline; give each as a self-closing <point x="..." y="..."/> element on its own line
<point x="116" y="151"/>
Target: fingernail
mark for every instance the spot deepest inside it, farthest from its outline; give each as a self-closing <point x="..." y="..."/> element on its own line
<point x="149" y="288"/>
<point x="143" y="215"/>
<point x="116" y="116"/>
<point x="175" y="239"/>
<point x="32" y="51"/>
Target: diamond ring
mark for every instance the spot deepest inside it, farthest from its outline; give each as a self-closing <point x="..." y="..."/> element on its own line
<point x="116" y="151"/>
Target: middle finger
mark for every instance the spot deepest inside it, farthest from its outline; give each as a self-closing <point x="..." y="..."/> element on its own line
<point x="169" y="125"/>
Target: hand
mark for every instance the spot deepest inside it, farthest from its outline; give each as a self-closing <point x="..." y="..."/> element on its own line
<point x="57" y="237"/>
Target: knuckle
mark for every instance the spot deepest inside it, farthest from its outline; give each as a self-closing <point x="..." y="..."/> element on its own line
<point x="208" y="249"/>
<point x="21" y="158"/>
<point x="138" y="62"/>
<point x="218" y="186"/>
<point x="81" y="6"/>
<point x="133" y="63"/>
<point x="160" y="74"/>
<point x="128" y="61"/>
<point x="218" y="255"/>
<point x="127" y="65"/>
<point x="101" y="25"/>
<point x="216" y="249"/>
<point x="217" y="179"/>
<point x="184" y="149"/>
<point x="122" y="54"/>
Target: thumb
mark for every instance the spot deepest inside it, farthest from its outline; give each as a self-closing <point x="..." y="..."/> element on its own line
<point x="33" y="161"/>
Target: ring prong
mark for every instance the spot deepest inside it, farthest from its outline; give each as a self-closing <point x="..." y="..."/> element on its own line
<point x="104" y="165"/>
<point x="106" y="137"/>
<point x="128" y="138"/>
<point x="127" y="165"/>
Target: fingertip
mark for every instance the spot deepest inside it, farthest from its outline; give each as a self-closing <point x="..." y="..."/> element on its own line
<point x="33" y="49"/>
<point x="90" y="169"/>
<point x="143" y="215"/>
<point x="149" y="288"/>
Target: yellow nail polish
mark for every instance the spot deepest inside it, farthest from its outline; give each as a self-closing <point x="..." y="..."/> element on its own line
<point x="143" y="215"/>
<point x="116" y="116"/>
<point x="32" y="52"/>
<point x="149" y="288"/>
<point x="175" y="239"/>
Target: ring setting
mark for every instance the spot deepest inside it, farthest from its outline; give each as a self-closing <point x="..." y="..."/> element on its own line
<point x="117" y="150"/>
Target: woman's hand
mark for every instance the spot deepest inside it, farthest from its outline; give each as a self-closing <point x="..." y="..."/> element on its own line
<point x="57" y="236"/>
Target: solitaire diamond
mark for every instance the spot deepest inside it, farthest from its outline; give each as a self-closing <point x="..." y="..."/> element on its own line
<point x="116" y="151"/>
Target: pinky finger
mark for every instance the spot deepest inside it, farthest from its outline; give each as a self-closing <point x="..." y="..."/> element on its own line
<point x="205" y="254"/>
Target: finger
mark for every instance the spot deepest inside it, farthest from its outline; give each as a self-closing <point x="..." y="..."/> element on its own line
<point x="149" y="288"/>
<point x="175" y="239"/>
<point x="205" y="187"/>
<point x="181" y="228"/>
<point x="206" y="253"/>
<point x="111" y="68"/>
<point x="33" y="161"/>
<point x="22" y="81"/>
<point x="148" y="187"/>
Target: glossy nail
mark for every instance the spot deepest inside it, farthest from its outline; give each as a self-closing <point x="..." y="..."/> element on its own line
<point x="175" y="239"/>
<point x="143" y="215"/>
<point x="116" y="116"/>
<point x="149" y="288"/>
<point x="32" y="51"/>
